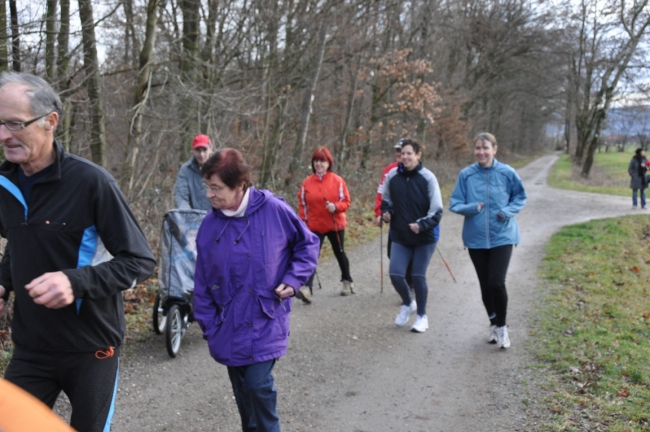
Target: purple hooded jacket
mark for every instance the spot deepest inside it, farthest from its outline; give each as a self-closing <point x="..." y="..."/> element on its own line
<point x="240" y="262"/>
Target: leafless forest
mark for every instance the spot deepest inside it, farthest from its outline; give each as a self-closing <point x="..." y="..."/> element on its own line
<point x="276" y="78"/>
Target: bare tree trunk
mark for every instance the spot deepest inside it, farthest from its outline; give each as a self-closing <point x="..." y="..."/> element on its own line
<point x="349" y="111"/>
<point x="15" y="37"/>
<point x="140" y="99"/>
<point x="191" y="16"/>
<point x="93" y="84"/>
<point x="50" y="36"/>
<point x="4" y="54"/>
<point x="131" y="47"/>
<point x="270" y="84"/>
<point x="299" y="148"/>
<point x="62" y="65"/>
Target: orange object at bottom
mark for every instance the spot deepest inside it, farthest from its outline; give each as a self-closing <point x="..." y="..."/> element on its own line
<point x="22" y="412"/>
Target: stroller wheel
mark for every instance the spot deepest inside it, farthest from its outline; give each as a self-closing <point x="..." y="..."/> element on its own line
<point x="159" y="317"/>
<point x="174" y="331"/>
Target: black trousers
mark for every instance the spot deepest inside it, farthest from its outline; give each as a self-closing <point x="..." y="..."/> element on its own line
<point x="88" y="379"/>
<point x="491" y="267"/>
<point x="339" y="253"/>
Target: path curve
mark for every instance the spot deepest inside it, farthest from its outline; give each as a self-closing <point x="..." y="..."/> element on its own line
<point x="349" y="368"/>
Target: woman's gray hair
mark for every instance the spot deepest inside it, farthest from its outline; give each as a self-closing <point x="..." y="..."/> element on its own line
<point x="485" y="136"/>
<point x="42" y="97"/>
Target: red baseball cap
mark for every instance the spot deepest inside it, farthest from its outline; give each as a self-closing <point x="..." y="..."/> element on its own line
<point x="201" y="141"/>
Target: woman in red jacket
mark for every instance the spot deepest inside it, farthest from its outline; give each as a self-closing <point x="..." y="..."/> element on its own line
<point x="323" y="200"/>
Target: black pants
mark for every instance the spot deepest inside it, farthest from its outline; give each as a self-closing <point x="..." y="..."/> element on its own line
<point x="491" y="267"/>
<point x="88" y="379"/>
<point x="339" y="253"/>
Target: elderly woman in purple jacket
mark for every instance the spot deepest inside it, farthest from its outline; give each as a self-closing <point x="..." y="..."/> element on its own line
<point x="254" y="254"/>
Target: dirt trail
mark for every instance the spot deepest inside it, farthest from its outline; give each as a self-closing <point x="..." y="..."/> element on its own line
<point x="349" y="368"/>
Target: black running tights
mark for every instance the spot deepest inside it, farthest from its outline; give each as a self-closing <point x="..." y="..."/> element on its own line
<point x="491" y="267"/>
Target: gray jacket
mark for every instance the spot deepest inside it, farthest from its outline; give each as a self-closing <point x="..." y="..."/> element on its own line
<point x="189" y="192"/>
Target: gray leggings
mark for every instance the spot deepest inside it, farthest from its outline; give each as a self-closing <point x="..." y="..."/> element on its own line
<point x="400" y="257"/>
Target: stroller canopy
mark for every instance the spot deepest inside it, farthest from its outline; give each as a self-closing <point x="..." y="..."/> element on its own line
<point x="178" y="252"/>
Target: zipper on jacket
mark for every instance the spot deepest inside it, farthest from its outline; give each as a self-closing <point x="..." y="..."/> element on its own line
<point x="487" y="208"/>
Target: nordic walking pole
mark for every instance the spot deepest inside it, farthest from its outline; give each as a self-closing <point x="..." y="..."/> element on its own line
<point x="446" y="265"/>
<point x="318" y="278"/>
<point x="381" y="254"/>
<point x="338" y="238"/>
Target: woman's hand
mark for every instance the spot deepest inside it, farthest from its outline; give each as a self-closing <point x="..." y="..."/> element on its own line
<point x="479" y="207"/>
<point x="331" y="207"/>
<point x="386" y="217"/>
<point x="284" y="291"/>
<point x="415" y="227"/>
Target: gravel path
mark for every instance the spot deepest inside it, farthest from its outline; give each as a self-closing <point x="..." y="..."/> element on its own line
<point x="349" y="368"/>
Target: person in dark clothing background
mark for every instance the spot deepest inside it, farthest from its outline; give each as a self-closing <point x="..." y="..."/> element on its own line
<point x="73" y="246"/>
<point x="638" y="181"/>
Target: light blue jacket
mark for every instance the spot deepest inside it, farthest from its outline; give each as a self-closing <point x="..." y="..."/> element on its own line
<point x="501" y="191"/>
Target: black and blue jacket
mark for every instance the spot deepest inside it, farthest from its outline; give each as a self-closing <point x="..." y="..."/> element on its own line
<point x="412" y="196"/>
<point x="78" y="222"/>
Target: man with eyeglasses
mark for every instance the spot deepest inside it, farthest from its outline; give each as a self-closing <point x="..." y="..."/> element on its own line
<point x="73" y="246"/>
<point x="189" y="191"/>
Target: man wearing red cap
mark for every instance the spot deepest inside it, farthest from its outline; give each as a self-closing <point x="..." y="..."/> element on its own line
<point x="189" y="192"/>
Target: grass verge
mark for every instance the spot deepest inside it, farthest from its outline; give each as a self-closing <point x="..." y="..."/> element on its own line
<point x="593" y="332"/>
<point x="608" y="175"/>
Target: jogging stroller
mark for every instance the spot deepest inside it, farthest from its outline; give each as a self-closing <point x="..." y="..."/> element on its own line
<point x="173" y="305"/>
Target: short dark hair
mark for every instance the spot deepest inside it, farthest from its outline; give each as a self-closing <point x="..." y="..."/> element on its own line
<point x="229" y="165"/>
<point x="321" y="153"/>
<point x="417" y="147"/>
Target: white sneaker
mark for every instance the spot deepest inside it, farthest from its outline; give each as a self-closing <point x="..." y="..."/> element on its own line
<point x="405" y="313"/>
<point x="503" y="339"/>
<point x="493" y="334"/>
<point x="421" y="324"/>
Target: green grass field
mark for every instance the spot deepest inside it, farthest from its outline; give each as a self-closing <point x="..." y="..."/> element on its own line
<point x="608" y="175"/>
<point x="591" y="337"/>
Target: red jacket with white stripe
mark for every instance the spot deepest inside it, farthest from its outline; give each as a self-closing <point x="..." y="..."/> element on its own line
<point x="313" y="196"/>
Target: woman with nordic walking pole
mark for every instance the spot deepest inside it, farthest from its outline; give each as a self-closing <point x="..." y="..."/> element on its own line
<point x="490" y="194"/>
<point x="412" y="203"/>
<point x="323" y="200"/>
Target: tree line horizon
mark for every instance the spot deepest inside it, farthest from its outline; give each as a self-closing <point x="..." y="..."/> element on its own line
<point x="278" y="78"/>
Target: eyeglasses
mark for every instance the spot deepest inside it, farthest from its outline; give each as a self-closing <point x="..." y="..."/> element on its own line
<point x="16" y="126"/>
<point x="213" y="189"/>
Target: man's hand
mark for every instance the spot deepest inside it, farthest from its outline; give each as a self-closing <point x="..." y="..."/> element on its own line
<point x="284" y="291"/>
<point x="386" y="217"/>
<point x="52" y="290"/>
<point x="415" y="227"/>
<point x="3" y="307"/>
